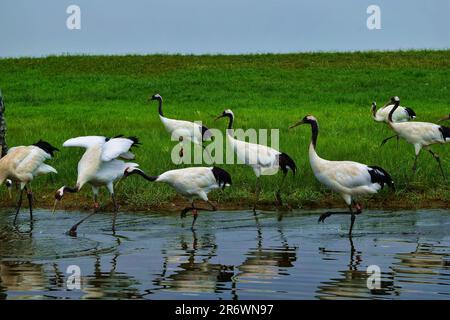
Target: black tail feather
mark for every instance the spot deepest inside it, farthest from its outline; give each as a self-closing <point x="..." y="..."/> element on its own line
<point x="379" y="175"/>
<point x="445" y="132"/>
<point x="411" y="112"/>
<point x="286" y="163"/>
<point x="47" y="147"/>
<point x="222" y="177"/>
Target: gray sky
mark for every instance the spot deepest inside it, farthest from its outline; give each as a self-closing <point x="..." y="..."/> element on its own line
<point x="36" y="28"/>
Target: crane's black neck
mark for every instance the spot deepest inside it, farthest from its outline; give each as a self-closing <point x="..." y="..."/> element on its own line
<point x="314" y="132"/>
<point x="160" y="110"/>
<point x="230" y="121"/>
<point x="71" y="190"/>
<point x="374" y="109"/>
<point x="143" y="175"/>
<point x="396" y="104"/>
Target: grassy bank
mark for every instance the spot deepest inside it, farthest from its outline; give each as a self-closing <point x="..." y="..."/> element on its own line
<point x="57" y="98"/>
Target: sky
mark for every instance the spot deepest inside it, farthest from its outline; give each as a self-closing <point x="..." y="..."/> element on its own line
<point x="38" y="28"/>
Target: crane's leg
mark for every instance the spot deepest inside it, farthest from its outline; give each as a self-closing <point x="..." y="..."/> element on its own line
<point x="388" y="138"/>
<point x="350" y="212"/>
<point x="417" y="149"/>
<point x="19" y="205"/>
<point x="209" y="155"/>
<point x="278" y="199"/>
<point x="116" y="210"/>
<point x="257" y="191"/>
<point x="30" y="201"/>
<point x="438" y="159"/>
<point x="195" y="210"/>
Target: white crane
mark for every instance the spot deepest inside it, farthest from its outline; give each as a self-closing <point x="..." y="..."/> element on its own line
<point x="99" y="167"/>
<point x="262" y="159"/>
<point x="192" y="183"/>
<point x="182" y="130"/>
<point x="22" y="164"/>
<point x="420" y="135"/>
<point x="349" y="179"/>
<point x="402" y="114"/>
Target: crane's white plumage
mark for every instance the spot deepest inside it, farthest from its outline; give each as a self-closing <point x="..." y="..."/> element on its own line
<point x="347" y="178"/>
<point x="22" y="164"/>
<point x="420" y="134"/>
<point x="262" y="159"/>
<point x="402" y="114"/>
<point x="99" y="165"/>
<point x="192" y="183"/>
<point x="181" y="130"/>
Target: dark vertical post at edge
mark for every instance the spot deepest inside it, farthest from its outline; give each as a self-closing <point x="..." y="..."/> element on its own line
<point x="2" y="127"/>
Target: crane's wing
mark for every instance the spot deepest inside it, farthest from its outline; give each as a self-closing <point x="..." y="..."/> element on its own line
<point x="84" y="142"/>
<point x="118" y="147"/>
<point x="33" y="160"/>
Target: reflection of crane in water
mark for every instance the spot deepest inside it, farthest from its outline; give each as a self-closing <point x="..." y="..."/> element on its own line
<point x="193" y="270"/>
<point x="352" y="282"/>
<point x="265" y="264"/>
<point x="422" y="264"/>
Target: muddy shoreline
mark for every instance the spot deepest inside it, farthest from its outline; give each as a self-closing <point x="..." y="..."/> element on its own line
<point x="178" y="203"/>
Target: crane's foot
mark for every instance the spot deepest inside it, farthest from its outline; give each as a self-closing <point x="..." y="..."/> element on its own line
<point x="73" y="231"/>
<point x="183" y="212"/>
<point x="323" y="216"/>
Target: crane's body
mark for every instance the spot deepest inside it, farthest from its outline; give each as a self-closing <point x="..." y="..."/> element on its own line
<point x="182" y="130"/>
<point x="348" y="178"/>
<point x="420" y="135"/>
<point x="99" y="166"/>
<point x="191" y="183"/>
<point x="402" y="114"/>
<point x="22" y="164"/>
<point x="262" y="159"/>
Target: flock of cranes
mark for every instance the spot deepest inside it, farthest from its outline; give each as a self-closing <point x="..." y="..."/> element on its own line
<point x="105" y="162"/>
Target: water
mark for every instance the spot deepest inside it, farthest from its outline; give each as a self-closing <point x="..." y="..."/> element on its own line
<point x="231" y="255"/>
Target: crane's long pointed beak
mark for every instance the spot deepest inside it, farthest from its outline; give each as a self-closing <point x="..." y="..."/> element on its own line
<point x="218" y="117"/>
<point x="444" y="118"/>
<point x="296" y="124"/>
<point x="10" y="193"/>
<point x="54" y="206"/>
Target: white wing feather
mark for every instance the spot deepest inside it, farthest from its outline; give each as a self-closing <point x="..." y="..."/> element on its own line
<point x="116" y="147"/>
<point x="85" y="142"/>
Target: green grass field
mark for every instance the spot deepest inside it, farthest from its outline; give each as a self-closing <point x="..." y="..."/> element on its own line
<point x="57" y="98"/>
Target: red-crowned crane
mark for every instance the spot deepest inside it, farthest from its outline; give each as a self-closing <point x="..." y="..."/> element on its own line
<point x="22" y="164"/>
<point x="99" y="167"/>
<point x="420" y="135"/>
<point x="183" y="130"/>
<point x="262" y="159"/>
<point x="347" y="178"/>
<point x="192" y="183"/>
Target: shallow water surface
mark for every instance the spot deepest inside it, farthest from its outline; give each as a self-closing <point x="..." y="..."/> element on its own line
<point x="230" y="255"/>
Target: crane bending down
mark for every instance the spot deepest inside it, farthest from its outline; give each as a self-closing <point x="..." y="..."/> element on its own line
<point x="349" y="179"/>
<point x="262" y="159"/>
<point x="192" y="183"/>
<point x="420" y="135"/>
<point x="402" y="114"/>
<point x="183" y="130"/>
<point x="22" y="164"/>
<point x="99" y="167"/>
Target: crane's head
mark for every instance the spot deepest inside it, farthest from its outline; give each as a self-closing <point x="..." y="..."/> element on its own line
<point x="59" y="194"/>
<point x="129" y="171"/>
<point x="8" y="184"/>
<point x="395" y="99"/>
<point x="447" y="117"/>
<point x="156" y="96"/>
<point x="225" y="113"/>
<point x="309" y="119"/>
